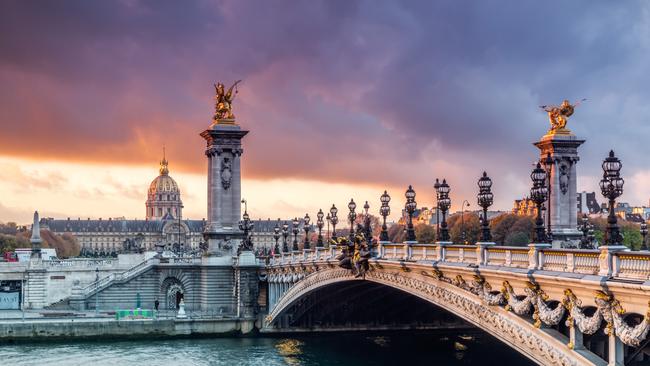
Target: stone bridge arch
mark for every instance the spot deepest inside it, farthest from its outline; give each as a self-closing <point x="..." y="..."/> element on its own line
<point x="544" y="346"/>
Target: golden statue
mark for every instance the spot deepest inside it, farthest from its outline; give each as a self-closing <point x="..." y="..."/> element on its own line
<point x="558" y="115"/>
<point x="223" y="105"/>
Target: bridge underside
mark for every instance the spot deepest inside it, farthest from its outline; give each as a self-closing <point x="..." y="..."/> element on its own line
<point x="365" y="305"/>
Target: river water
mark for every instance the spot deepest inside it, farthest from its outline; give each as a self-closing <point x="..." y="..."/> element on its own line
<point x="401" y="349"/>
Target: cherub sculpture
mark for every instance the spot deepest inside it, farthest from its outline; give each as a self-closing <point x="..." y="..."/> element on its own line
<point x="558" y="115"/>
<point x="223" y="104"/>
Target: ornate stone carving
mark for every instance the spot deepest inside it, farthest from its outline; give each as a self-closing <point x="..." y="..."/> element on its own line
<point x="564" y="177"/>
<point x="226" y="173"/>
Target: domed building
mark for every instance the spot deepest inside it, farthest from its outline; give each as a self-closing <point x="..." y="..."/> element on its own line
<point x="163" y="225"/>
<point x="164" y="197"/>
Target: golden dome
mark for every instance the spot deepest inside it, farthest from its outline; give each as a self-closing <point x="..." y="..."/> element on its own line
<point x="163" y="183"/>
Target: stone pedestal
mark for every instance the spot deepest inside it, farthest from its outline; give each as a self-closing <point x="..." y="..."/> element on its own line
<point x="224" y="186"/>
<point x="247" y="276"/>
<point x="563" y="149"/>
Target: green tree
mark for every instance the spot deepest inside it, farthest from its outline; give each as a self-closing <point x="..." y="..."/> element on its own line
<point x="425" y="234"/>
<point x="468" y="222"/>
<point x="517" y="238"/>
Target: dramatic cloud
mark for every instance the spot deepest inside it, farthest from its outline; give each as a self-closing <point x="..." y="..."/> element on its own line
<point x="368" y="93"/>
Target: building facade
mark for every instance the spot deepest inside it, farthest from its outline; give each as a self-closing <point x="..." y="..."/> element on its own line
<point x="163" y="225"/>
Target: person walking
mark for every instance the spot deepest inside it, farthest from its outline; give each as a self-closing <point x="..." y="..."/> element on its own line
<point x="156" y="304"/>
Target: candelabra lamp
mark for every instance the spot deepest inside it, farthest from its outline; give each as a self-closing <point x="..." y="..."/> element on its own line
<point x="384" y="211"/>
<point x="485" y="200"/>
<point x="246" y="226"/>
<point x="306" y="228"/>
<point x="352" y="216"/>
<point x="611" y="186"/>
<point x="539" y="194"/>
<point x="443" y="205"/>
<point x="319" y="224"/>
<point x="410" y="207"/>
<point x="276" y="236"/>
<point x="295" y="230"/>
<point x="285" y="235"/>
<point x="334" y="219"/>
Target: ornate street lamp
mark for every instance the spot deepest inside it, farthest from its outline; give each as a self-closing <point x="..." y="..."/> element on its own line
<point x="328" y="218"/>
<point x="410" y="207"/>
<point x="644" y="233"/>
<point x="295" y="234"/>
<point x="335" y="220"/>
<point x="276" y="236"/>
<point x="384" y="211"/>
<point x="366" y="224"/>
<point x="285" y="235"/>
<point x="319" y="224"/>
<point x="462" y="221"/>
<point x="351" y="217"/>
<point x="539" y="194"/>
<point x="611" y="186"/>
<point x="485" y="200"/>
<point x="548" y="166"/>
<point x="443" y="205"/>
<point x="306" y="228"/>
<point x="436" y="185"/>
<point x="246" y="226"/>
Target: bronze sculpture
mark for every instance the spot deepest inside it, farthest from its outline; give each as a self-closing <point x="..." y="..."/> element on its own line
<point x="223" y="104"/>
<point x="558" y="115"/>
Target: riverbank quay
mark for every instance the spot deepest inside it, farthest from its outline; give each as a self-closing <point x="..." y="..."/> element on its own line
<point x="88" y="325"/>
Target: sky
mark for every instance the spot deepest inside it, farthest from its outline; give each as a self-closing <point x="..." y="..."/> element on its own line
<point x="344" y="99"/>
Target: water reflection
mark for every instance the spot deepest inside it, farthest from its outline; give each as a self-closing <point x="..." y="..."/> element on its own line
<point x="351" y="349"/>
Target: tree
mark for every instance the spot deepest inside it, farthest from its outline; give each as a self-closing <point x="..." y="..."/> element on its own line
<point x="425" y="234"/>
<point x="396" y="233"/>
<point x="9" y="243"/>
<point x="517" y="238"/>
<point x="9" y="228"/>
<point x="469" y="223"/>
<point x="510" y="229"/>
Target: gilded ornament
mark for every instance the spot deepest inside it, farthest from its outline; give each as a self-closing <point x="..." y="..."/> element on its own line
<point x="558" y="116"/>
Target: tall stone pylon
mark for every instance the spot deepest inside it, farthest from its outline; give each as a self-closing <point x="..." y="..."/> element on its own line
<point x="224" y="151"/>
<point x="561" y="146"/>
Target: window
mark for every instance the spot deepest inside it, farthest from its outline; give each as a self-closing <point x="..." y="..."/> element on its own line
<point x="160" y="212"/>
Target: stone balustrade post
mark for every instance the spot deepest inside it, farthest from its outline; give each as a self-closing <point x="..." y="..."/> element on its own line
<point x="482" y="253"/>
<point x="609" y="263"/>
<point x="332" y="251"/>
<point x="408" y="252"/>
<point x="570" y="262"/>
<point x="441" y="251"/>
<point x="381" y="249"/>
<point x="536" y="255"/>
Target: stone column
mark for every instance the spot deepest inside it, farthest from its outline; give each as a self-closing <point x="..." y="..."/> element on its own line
<point x="563" y="149"/>
<point x="223" y="150"/>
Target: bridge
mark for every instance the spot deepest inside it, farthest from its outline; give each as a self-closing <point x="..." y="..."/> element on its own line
<point x="555" y="306"/>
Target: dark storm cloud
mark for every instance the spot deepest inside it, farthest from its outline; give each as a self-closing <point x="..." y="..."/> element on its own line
<point x="376" y="92"/>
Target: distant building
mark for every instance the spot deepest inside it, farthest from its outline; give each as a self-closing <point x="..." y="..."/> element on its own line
<point x="163" y="224"/>
<point x="587" y="203"/>
<point x="524" y="207"/>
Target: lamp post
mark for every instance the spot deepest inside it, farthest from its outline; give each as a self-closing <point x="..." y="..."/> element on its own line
<point x="611" y="186"/>
<point x="246" y="226"/>
<point x="443" y="204"/>
<point x="285" y="235"/>
<point x="485" y="200"/>
<point x="367" y="224"/>
<point x="328" y="218"/>
<point x="351" y="217"/>
<point x="462" y="221"/>
<point x="319" y="224"/>
<point x="410" y="207"/>
<point x="306" y="228"/>
<point x="295" y="234"/>
<point x="384" y="211"/>
<point x="548" y="165"/>
<point x="644" y="233"/>
<point x="539" y="194"/>
<point x="335" y="220"/>
<point x="276" y="236"/>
